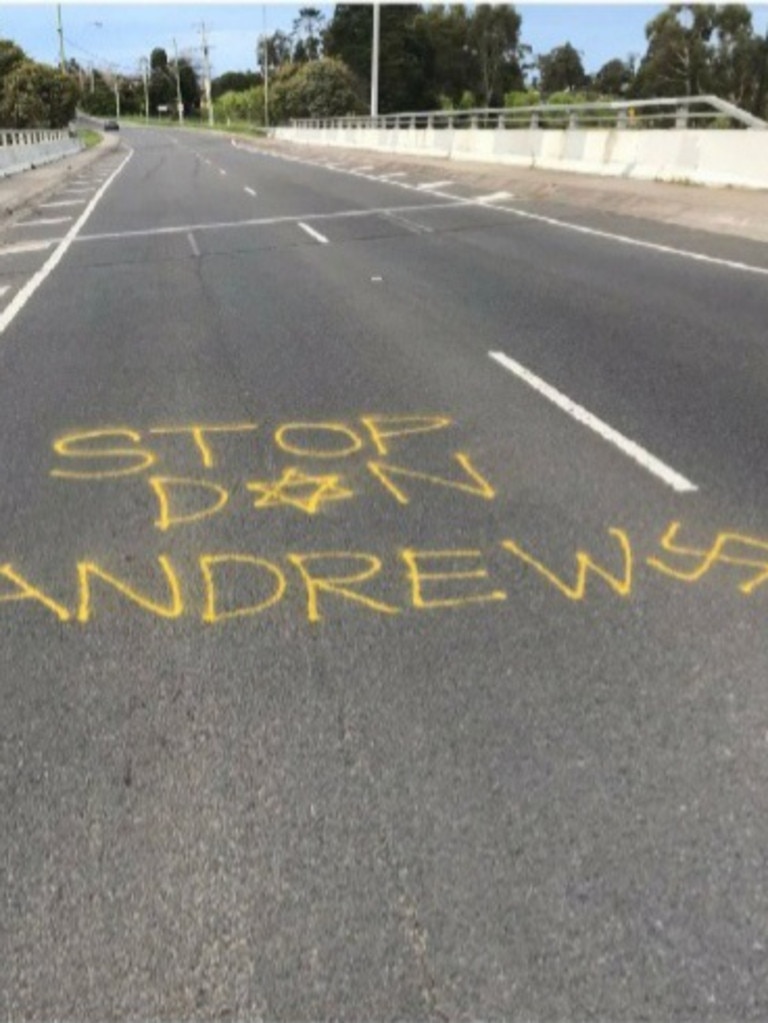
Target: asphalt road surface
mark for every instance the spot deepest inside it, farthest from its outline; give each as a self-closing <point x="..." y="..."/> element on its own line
<point x="384" y="596"/>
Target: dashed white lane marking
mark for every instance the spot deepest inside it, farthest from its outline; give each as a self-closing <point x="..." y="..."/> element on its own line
<point x="4" y="288"/>
<point x="193" y="244"/>
<point x="628" y="447"/>
<point x="313" y="233"/>
<point x="62" y="202"/>
<point x="24" y="294"/>
<point x="495" y="197"/>
<point x="250" y="191"/>
<point x="222" y="172"/>
<point x="38" y="246"/>
<point x="42" y="222"/>
<point x="433" y="184"/>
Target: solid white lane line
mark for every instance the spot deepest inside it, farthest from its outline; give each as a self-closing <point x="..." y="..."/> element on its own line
<point x="12" y="250"/>
<point x="394" y="174"/>
<point x="638" y="242"/>
<point x="63" y="202"/>
<point x="495" y="197"/>
<point x="433" y="184"/>
<point x="24" y="294"/>
<point x="567" y="225"/>
<point x="193" y="244"/>
<point x="43" y="222"/>
<point x="313" y="233"/>
<point x="628" y="447"/>
<point x="250" y="191"/>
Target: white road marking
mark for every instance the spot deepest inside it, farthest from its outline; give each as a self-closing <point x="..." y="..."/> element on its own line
<point x="62" y="202"/>
<point x="495" y="197"/>
<point x="564" y="224"/>
<point x="250" y="191"/>
<point x="648" y="461"/>
<point x="433" y="184"/>
<point x="222" y="172"/>
<point x="409" y="225"/>
<point x="24" y="294"/>
<point x="12" y="250"/>
<point x="638" y="242"/>
<point x="313" y="233"/>
<point x="193" y="244"/>
<point x="393" y="174"/>
<point x="4" y="288"/>
<point x="222" y="225"/>
<point x="42" y="222"/>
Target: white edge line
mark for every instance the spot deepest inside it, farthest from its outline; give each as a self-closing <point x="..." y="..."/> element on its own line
<point x="24" y="294"/>
<point x="648" y="461"/>
<point x="581" y="229"/>
<point x="313" y="233"/>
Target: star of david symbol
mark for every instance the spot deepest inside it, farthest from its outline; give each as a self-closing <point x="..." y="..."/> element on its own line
<point x="295" y="488"/>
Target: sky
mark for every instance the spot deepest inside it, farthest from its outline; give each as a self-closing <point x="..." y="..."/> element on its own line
<point x="117" y="34"/>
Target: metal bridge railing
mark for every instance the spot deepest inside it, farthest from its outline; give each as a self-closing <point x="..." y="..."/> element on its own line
<point x="678" y="112"/>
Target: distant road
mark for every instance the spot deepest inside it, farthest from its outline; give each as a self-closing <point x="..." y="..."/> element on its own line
<point x="384" y="581"/>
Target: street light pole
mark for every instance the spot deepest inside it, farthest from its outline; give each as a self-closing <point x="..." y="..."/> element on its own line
<point x="60" y="30"/>
<point x="207" y="81"/>
<point x="265" y="41"/>
<point x="145" y="76"/>
<point x="179" y="104"/>
<point x="375" y="60"/>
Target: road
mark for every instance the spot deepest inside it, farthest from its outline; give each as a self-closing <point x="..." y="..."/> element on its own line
<point x="383" y="601"/>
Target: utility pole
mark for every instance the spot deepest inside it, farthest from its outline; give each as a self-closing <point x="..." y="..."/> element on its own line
<point x="375" y="60"/>
<point x="145" y="76"/>
<point x="179" y="103"/>
<point x="91" y="76"/>
<point x="265" y="64"/>
<point x="207" y="79"/>
<point x="60" y="30"/>
<point x="117" y="96"/>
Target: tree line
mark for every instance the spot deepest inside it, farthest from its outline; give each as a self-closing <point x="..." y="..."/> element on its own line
<point x="431" y="57"/>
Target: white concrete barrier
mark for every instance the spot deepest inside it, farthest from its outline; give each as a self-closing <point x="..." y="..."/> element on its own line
<point x="713" y="156"/>
<point x="23" y="150"/>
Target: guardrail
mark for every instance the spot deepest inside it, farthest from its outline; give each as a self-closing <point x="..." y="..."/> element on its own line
<point x="680" y="112"/>
<point x="31" y="147"/>
<point x="31" y="136"/>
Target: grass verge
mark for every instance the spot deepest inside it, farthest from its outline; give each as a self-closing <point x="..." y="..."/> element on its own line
<point x="89" y="138"/>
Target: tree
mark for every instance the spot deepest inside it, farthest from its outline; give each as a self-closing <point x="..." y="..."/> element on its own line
<point x="36" y="95"/>
<point x="493" y="37"/>
<point x="307" y="30"/>
<point x="615" y="77"/>
<point x="11" y="56"/>
<point x="561" y="70"/>
<point x="678" y="61"/>
<point x="234" y="81"/>
<point x="405" y="57"/>
<point x="319" y="88"/>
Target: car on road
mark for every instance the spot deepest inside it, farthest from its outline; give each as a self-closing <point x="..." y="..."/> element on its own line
<point x="111" y="126"/>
